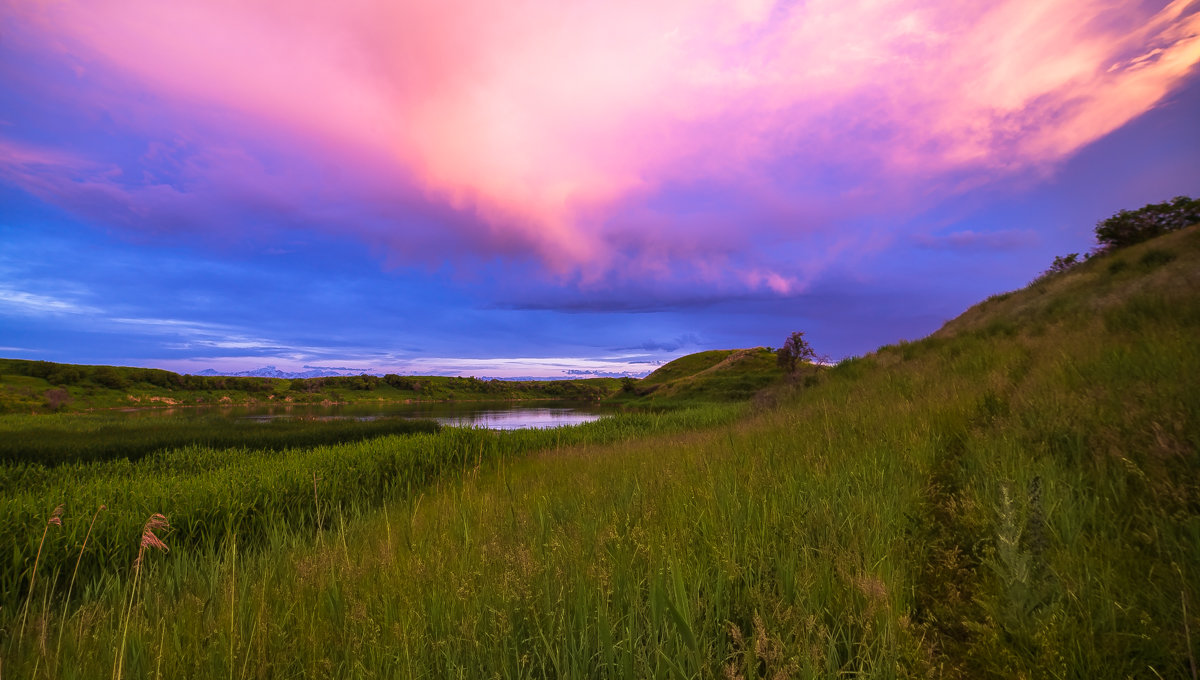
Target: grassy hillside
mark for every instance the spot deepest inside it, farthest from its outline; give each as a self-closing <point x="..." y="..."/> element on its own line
<point x="687" y="366"/>
<point x="716" y="375"/>
<point x="1017" y="495"/>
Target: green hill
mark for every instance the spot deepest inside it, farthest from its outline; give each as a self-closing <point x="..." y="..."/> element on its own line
<point x="1157" y="278"/>
<point x="686" y="366"/>
<point x="1017" y="495"/>
<point x="715" y="375"/>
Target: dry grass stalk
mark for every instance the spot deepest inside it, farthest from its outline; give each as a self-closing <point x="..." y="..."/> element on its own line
<point x="317" y="507"/>
<point x="56" y="520"/>
<point x="71" y="587"/>
<point x="149" y="540"/>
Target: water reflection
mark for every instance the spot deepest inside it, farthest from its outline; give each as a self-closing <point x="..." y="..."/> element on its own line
<point x="520" y="418"/>
<point x="491" y="415"/>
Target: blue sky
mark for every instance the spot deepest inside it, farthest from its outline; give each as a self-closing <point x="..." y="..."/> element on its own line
<point x="154" y="218"/>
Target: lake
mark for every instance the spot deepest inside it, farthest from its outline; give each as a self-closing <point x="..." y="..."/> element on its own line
<point x="503" y="415"/>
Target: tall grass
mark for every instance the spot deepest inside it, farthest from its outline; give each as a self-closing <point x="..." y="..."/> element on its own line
<point x="1016" y="497"/>
<point x="210" y="493"/>
<point x="61" y="440"/>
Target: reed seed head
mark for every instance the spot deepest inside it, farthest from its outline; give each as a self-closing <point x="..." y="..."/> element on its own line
<point x="149" y="538"/>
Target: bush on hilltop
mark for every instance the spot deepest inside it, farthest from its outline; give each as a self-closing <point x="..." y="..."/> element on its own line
<point x="1128" y="227"/>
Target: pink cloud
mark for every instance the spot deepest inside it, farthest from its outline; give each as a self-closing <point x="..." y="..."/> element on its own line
<point x="550" y="121"/>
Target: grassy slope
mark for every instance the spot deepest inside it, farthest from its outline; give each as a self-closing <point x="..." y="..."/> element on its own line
<point x="687" y="366"/>
<point x="1015" y="496"/>
<point x="716" y="375"/>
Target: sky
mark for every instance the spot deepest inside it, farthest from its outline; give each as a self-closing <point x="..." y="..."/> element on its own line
<point x="557" y="189"/>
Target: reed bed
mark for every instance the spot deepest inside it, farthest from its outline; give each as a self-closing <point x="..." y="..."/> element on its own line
<point x="210" y="493"/>
<point x="55" y="440"/>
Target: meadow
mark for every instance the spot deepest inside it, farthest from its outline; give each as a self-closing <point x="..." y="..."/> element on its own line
<point x="1017" y="495"/>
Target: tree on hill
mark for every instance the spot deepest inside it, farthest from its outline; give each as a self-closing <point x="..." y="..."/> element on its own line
<point x="794" y="351"/>
<point x="1128" y="227"/>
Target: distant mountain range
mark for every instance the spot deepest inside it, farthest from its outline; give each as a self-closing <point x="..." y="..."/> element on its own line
<point x="273" y="372"/>
<point x="314" y="372"/>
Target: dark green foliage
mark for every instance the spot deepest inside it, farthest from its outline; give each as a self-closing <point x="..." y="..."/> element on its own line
<point x="64" y="374"/>
<point x="107" y="376"/>
<point x="1155" y="257"/>
<point x="398" y="382"/>
<point x="1128" y="227"/>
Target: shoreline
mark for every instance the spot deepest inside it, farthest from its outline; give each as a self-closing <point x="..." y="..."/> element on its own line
<point x="160" y="406"/>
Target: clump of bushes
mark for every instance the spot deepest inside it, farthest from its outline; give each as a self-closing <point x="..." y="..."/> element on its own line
<point x="1128" y="227"/>
<point x="1062" y="263"/>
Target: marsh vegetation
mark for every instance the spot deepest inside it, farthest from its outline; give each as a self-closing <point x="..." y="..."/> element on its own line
<point x="1017" y="495"/>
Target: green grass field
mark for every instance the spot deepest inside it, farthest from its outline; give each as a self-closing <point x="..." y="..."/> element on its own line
<point x="1017" y="495"/>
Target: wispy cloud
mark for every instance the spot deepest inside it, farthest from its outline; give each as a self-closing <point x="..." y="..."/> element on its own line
<point x="685" y="340"/>
<point x="970" y="240"/>
<point x="339" y="368"/>
<point x="556" y="132"/>
<point x="23" y="302"/>
<point x="505" y="367"/>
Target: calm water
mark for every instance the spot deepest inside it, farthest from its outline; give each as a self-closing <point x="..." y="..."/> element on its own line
<point x="492" y="415"/>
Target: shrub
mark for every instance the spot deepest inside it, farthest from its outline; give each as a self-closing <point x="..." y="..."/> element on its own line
<point x="1128" y="227"/>
<point x="57" y="398"/>
<point x="1062" y="263"/>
